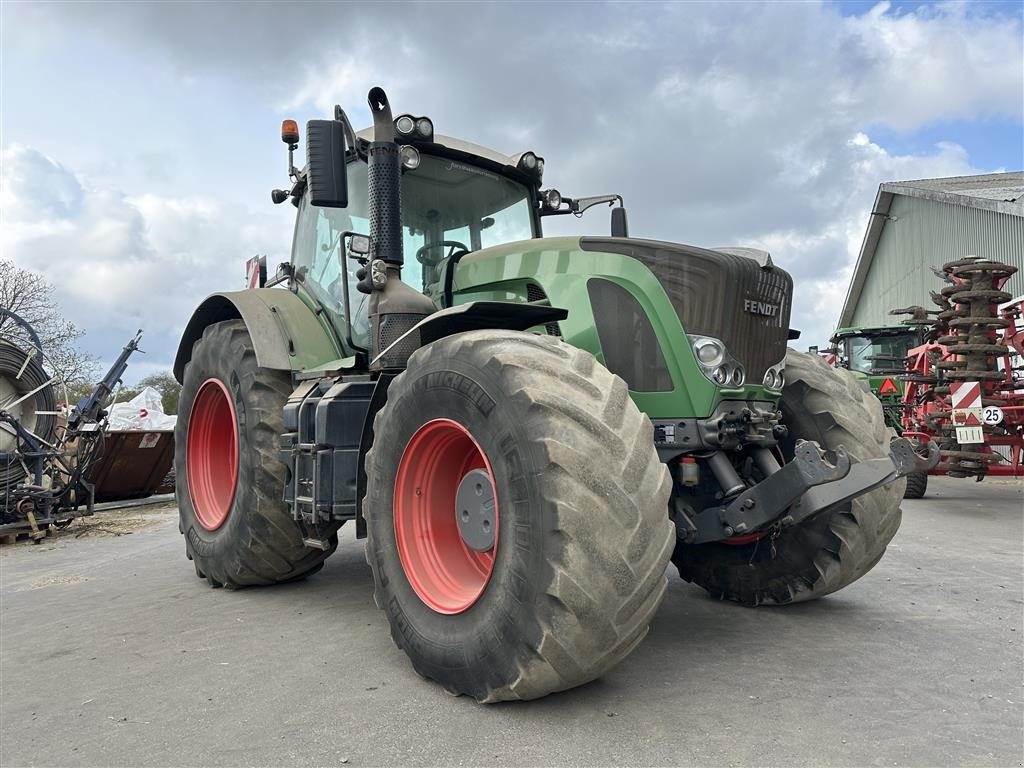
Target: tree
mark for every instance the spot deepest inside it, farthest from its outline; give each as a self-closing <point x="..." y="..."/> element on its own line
<point x="165" y="384"/>
<point x="30" y="296"/>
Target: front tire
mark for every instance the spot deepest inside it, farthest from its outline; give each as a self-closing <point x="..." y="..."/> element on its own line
<point x="917" y="485"/>
<point x="230" y="488"/>
<point x="568" y="584"/>
<point x="828" y="551"/>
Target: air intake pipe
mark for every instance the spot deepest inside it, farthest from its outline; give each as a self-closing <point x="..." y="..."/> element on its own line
<point x="384" y="170"/>
<point x="394" y="307"/>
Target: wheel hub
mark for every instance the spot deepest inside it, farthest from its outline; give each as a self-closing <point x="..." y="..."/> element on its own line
<point x="447" y="557"/>
<point x="474" y="510"/>
<point x="211" y="454"/>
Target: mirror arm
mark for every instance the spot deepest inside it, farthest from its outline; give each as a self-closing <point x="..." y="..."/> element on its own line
<point x="579" y="205"/>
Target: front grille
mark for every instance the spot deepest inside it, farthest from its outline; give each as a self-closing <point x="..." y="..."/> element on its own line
<point x="719" y="294"/>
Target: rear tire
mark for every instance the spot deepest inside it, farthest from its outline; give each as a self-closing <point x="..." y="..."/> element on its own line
<point x="577" y="568"/>
<point x="256" y="541"/>
<point x="917" y="485"/>
<point x="828" y="551"/>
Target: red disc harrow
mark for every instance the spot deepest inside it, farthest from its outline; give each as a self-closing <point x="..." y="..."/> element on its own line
<point x="975" y="335"/>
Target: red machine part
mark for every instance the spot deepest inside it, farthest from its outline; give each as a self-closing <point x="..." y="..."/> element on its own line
<point x="977" y="335"/>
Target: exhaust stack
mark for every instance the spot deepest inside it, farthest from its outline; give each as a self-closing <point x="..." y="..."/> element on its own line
<point x="394" y="306"/>
<point x="385" y="173"/>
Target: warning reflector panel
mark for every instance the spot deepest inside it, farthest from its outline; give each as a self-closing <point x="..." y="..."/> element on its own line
<point x="888" y="387"/>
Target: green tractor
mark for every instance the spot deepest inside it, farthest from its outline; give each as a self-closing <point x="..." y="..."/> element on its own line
<point x="525" y="430"/>
<point x="877" y="356"/>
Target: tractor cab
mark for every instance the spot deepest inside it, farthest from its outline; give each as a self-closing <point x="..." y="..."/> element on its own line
<point x="877" y="356"/>
<point x="874" y="351"/>
<point x="457" y="198"/>
<point x="449" y="207"/>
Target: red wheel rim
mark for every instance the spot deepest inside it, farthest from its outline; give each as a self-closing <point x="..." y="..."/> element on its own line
<point x="211" y="454"/>
<point x="445" y="573"/>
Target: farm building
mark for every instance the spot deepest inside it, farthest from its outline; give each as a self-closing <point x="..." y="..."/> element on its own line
<point x="915" y="225"/>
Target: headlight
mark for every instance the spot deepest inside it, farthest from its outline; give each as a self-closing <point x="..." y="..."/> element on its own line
<point x="424" y="127"/>
<point x="774" y="378"/>
<point x="405" y="125"/>
<point x="540" y="166"/>
<point x="529" y="161"/>
<point x="716" y="363"/>
<point x="552" y="199"/>
<point x="709" y="352"/>
<point x="410" y="157"/>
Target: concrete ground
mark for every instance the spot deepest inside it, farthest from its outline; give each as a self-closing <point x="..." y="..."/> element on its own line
<point x="114" y="653"/>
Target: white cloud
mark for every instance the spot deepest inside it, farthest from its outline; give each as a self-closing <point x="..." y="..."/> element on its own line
<point x="938" y="62"/>
<point x="719" y="123"/>
<point x="342" y="81"/>
<point x="826" y="255"/>
<point x="120" y="262"/>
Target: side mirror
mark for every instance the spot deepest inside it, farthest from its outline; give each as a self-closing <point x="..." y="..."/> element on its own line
<point x="325" y="164"/>
<point x="619" y="226"/>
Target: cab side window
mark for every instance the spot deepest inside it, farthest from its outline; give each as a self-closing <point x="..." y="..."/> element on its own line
<point x="318" y="255"/>
<point x="319" y="259"/>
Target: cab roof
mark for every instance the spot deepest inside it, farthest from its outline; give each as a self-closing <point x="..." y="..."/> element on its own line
<point x="459" y="145"/>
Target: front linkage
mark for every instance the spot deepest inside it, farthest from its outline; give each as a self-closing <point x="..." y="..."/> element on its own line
<point x="806" y="486"/>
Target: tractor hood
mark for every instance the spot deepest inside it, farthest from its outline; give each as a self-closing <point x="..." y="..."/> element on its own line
<point x="742" y="299"/>
<point x="632" y="302"/>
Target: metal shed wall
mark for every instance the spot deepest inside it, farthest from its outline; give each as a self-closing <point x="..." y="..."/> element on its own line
<point x="921" y="233"/>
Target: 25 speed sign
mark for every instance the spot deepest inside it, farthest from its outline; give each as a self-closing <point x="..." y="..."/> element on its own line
<point x="992" y="415"/>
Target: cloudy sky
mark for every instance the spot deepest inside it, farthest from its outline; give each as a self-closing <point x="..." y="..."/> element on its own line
<point x="140" y="141"/>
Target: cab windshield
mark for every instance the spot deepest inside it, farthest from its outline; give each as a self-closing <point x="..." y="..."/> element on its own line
<point x="442" y="200"/>
<point x="880" y="353"/>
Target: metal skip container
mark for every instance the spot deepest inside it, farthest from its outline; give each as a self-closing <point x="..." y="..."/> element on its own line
<point x="138" y="451"/>
<point x="134" y="465"/>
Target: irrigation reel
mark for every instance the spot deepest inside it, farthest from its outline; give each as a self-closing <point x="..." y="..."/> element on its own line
<point x="46" y="450"/>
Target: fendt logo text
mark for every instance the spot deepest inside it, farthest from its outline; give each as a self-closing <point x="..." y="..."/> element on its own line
<point x="755" y="307"/>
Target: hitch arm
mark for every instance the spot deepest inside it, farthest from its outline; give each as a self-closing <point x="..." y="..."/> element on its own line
<point x="771" y="497"/>
<point x="806" y="486"/>
<point x="866" y="476"/>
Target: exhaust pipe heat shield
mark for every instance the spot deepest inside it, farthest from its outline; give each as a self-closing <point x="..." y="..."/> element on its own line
<point x="384" y="170"/>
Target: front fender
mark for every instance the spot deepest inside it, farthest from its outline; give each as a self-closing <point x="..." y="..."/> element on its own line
<point x="285" y="332"/>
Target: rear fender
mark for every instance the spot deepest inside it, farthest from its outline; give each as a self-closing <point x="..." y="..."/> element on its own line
<point x="285" y="332"/>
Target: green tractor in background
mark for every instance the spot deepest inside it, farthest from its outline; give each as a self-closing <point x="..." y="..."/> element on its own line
<point x="877" y="356"/>
<point x="524" y="429"/>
